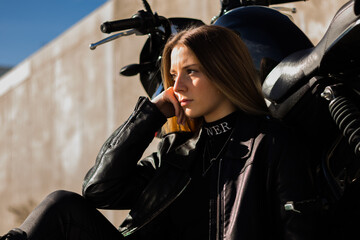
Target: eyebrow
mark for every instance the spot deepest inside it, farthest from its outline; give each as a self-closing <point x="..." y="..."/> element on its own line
<point x="187" y="66"/>
<point x="191" y="65"/>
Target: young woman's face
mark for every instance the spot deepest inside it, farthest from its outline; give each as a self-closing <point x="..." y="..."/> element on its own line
<point x="195" y="92"/>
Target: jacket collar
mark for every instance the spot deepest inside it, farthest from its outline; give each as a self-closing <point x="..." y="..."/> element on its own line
<point x="184" y="155"/>
<point x="240" y="146"/>
<point x="246" y="130"/>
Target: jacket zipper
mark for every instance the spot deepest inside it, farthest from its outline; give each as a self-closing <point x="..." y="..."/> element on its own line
<point x="218" y="200"/>
<point x="218" y="192"/>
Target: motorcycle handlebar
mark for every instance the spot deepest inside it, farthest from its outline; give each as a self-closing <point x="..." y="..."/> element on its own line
<point x="119" y="25"/>
<point x="141" y="17"/>
<point x="284" y="1"/>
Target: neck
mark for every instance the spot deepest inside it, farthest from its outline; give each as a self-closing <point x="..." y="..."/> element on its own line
<point x="221" y="126"/>
<point x="222" y="112"/>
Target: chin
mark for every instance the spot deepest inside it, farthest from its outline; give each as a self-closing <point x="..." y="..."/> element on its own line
<point x="191" y="114"/>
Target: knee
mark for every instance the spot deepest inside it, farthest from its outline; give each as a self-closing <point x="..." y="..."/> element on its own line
<point x="63" y="195"/>
<point x="63" y="198"/>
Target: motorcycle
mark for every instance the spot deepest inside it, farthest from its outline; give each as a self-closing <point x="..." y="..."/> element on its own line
<point x="313" y="89"/>
<point x="317" y="91"/>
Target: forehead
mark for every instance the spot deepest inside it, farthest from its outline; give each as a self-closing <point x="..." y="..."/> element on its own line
<point x="182" y="55"/>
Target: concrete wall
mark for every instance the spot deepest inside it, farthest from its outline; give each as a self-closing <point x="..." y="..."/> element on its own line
<point x="314" y="16"/>
<point x="58" y="106"/>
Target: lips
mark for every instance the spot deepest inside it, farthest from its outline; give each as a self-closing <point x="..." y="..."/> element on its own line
<point x="185" y="102"/>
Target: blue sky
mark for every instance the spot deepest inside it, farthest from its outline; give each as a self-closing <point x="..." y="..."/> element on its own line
<point x="27" y="25"/>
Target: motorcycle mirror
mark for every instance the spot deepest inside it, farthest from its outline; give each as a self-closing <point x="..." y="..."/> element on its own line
<point x="130" y="70"/>
<point x="133" y="69"/>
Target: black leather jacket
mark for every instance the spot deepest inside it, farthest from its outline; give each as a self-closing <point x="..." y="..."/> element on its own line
<point x="263" y="177"/>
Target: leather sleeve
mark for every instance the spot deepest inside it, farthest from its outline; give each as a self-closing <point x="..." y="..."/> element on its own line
<point x="118" y="177"/>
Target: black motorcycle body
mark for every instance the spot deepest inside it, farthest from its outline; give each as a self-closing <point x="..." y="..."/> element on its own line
<point x="317" y="92"/>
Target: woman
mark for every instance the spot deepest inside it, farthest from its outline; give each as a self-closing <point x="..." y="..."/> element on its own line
<point x="223" y="169"/>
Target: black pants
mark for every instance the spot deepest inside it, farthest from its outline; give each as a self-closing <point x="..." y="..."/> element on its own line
<point x="66" y="215"/>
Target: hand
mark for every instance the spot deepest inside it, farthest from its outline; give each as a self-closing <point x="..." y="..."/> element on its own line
<point x="169" y="105"/>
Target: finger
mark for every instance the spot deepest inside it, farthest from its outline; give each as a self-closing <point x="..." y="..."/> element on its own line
<point x="164" y="101"/>
<point x="174" y="101"/>
<point x="180" y="114"/>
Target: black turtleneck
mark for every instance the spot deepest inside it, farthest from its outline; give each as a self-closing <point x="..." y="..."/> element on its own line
<point x="218" y="133"/>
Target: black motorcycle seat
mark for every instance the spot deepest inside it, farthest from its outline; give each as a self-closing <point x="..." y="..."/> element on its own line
<point x="295" y="70"/>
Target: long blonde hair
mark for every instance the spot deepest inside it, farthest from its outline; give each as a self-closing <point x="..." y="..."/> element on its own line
<point x="226" y="61"/>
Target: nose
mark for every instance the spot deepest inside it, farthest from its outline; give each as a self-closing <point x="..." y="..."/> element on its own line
<point x="179" y="84"/>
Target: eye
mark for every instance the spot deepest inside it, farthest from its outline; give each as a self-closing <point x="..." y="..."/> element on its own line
<point x="190" y="71"/>
<point x="173" y="76"/>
